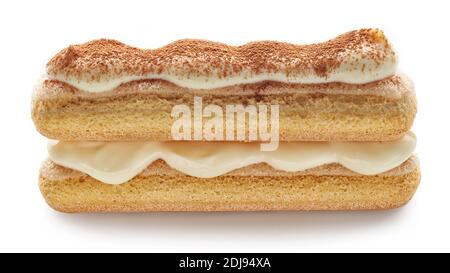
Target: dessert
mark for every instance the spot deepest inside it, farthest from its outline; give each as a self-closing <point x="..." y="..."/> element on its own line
<point x="262" y="126"/>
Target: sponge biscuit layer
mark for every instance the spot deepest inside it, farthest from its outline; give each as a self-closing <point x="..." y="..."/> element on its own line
<point x="254" y="188"/>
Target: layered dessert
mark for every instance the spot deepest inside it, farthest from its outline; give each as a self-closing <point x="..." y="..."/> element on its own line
<point x="204" y="126"/>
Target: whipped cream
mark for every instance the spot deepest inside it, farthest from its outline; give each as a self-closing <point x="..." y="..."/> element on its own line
<point x="118" y="162"/>
<point x="344" y="73"/>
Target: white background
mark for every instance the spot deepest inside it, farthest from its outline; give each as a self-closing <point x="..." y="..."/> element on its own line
<point x="32" y="32"/>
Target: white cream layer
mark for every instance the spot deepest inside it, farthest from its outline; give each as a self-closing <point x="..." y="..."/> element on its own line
<point x="355" y="68"/>
<point x="118" y="162"/>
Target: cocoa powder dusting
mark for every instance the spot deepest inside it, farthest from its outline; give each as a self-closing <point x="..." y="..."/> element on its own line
<point x="105" y="58"/>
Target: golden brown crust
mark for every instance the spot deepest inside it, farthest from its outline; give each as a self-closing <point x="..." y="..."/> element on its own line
<point x="69" y="191"/>
<point x="141" y="110"/>
<point x="108" y="58"/>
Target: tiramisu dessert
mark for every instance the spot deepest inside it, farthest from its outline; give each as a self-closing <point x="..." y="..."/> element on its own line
<point x="203" y="126"/>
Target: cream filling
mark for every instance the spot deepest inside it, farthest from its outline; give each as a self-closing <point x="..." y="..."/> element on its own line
<point x="355" y="68"/>
<point x="118" y="162"/>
